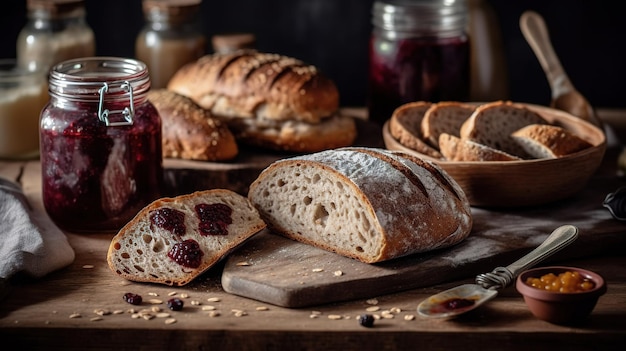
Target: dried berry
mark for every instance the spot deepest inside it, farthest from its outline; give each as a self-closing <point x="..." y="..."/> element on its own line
<point x="175" y="304"/>
<point x="214" y="218"/>
<point x="133" y="299"/>
<point x="366" y="320"/>
<point x="169" y="219"/>
<point x="187" y="253"/>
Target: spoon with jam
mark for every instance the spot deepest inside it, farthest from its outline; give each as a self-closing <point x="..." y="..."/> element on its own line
<point x="466" y="297"/>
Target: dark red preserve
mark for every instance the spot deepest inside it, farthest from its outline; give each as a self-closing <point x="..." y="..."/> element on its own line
<point x="100" y="141"/>
<point x="418" y="50"/>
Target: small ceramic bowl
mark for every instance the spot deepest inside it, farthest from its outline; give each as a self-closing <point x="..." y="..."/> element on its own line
<point x="560" y="307"/>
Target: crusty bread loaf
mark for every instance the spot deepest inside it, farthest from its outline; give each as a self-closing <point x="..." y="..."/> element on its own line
<point x="493" y="123"/>
<point x="189" y="131"/>
<point x="268" y="100"/>
<point x="456" y="149"/>
<point x="549" y="141"/>
<point x="444" y="117"/>
<point x="405" y="126"/>
<point x="174" y="240"/>
<point x="365" y="203"/>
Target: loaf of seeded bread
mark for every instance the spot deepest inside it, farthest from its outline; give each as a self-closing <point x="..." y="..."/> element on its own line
<point x="444" y="117"/>
<point x="268" y="100"/>
<point x="549" y="141"/>
<point x="369" y="204"/>
<point x="493" y="123"/>
<point x="189" y="131"/>
<point x="457" y="149"/>
<point x="405" y="126"/>
<point x="174" y="240"/>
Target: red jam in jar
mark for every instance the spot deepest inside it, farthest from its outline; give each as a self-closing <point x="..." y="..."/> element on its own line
<point x="100" y="144"/>
<point x="418" y="50"/>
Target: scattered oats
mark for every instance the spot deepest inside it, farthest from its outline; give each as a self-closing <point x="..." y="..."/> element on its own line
<point x="388" y="315"/>
<point x="313" y="316"/>
<point x="337" y="273"/>
<point x="132" y="310"/>
<point x="155" y="309"/>
<point x="376" y="316"/>
<point x="171" y="293"/>
<point x="184" y="296"/>
<point x="95" y="319"/>
<point x="147" y="316"/>
<point x="372" y="302"/>
<point x="395" y="310"/>
<point x="170" y="321"/>
<point x="125" y="283"/>
<point x="88" y="266"/>
<point x="334" y="316"/>
<point x="301" y="283"/>
<point x="243" y="263"/>
<point x="153" y="294"/>
<point x="318" y="269"/>
<point x="155" y="301"/>
<point x="135" y="316"/>
<point x="213" y="299"/>
<point x="195" y="303"/>
<point x="262" y="308"/>
<point x="101" y="312"/>
<point x="214" y="313"/>
<point x="162" y="315"/>
<point x="47" y="322"/>
<point x="239" y="313"/>
<point x="372" y="309"/>
<point x="118" y="312"/>
<point x="318" y="313"/>
<point x="75" y="315"/>
<point x="208" y="308"/>
<point x="346" y="317"/>
<point x="409" y="317"/>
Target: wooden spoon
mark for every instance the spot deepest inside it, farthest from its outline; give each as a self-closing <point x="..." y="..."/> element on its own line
<point x="564" y="95"/>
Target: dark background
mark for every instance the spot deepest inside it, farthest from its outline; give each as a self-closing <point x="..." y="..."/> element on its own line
<point x="588" y="36"/>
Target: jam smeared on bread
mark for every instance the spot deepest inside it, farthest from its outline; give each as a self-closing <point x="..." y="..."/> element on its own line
<point x="214" y="218"/>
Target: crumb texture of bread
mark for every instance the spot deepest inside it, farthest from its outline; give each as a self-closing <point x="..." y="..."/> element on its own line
<point x="139" y="251"/>
<point x="457" y="149"/>
<point x="549" y="141"/>
<point x="365" y="203"/>
<point x="444" y="117"/>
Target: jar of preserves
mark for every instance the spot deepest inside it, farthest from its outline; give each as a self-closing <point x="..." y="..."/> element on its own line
<point x="56" y="31"/>
<point x="419" y="50"/>
<point x="170" y="38"/>
<point x="100" y="145"/>
<point x="23" y="93"/>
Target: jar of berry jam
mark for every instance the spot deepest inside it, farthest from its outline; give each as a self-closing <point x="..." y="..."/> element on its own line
<point x="419" y="50"/>
<point x="100" y="144"/>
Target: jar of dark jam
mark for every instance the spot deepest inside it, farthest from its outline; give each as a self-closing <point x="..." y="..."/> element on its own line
<point x="419" y="50"/>
<point x="100" y="144"/>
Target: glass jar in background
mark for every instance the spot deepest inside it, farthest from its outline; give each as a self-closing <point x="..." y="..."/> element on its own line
<point x="23" y="93"/>
<point x="170" y="38"/>
<point x="55" y="31"/>
<point x="419" y="50"/>
<point x="100" y="146"/>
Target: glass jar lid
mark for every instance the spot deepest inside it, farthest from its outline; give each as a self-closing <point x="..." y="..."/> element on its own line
<point x="420" y="16"/>
<point x="176" y="10"/>
<point x="55" y="8"/>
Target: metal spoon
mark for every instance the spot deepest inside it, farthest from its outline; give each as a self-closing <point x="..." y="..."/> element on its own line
<point x="564" y="95"/>
<point x="467" y="297"/>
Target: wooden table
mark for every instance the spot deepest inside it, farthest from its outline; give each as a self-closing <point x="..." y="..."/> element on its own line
<point x="64" y="310"/>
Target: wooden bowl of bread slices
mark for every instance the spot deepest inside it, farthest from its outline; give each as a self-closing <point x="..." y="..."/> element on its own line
<point x="502" y="153"/>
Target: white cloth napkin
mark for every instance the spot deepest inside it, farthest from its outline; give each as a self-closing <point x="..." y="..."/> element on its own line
<point x="29" y="241"/>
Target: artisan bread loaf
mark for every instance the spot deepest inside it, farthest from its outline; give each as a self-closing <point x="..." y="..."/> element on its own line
<point x="405" y="126"/>
<point x="174" y="240"/>
<point x="549" y="141"/>
<point x="189" y="131"/>
<point x="493" y="123"/>
<point x="444" y="117"/>
<point x="457" y="149"/>
<point x="369" y="204"/>
<point x="268" y="100"/>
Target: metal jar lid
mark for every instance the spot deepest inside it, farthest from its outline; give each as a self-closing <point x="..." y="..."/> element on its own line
<point x="420" y="16"/>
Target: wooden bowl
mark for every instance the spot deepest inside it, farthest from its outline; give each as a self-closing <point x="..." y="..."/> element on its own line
<point x="526" y="182"/>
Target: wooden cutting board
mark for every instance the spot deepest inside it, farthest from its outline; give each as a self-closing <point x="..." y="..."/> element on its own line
<point x="286" y="273"/>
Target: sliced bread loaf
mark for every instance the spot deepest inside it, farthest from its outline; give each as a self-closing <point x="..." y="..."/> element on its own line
<point x="369" y="204"/>
<point x="444" y="117"/>
<point x="549" y="141"/>
<point x="493" y="123"/>
<point x="174" y="240"/>
<point x="457" y="149"/>
<point x="405" y="126"/>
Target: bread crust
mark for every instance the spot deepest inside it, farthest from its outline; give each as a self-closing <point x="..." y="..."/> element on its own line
<point x="549" y="141"/>
<point x="444" y="117"/>
<point x="458" y="149"/>
<point x="405" y="126"/>
<point x="189" y="131"/>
